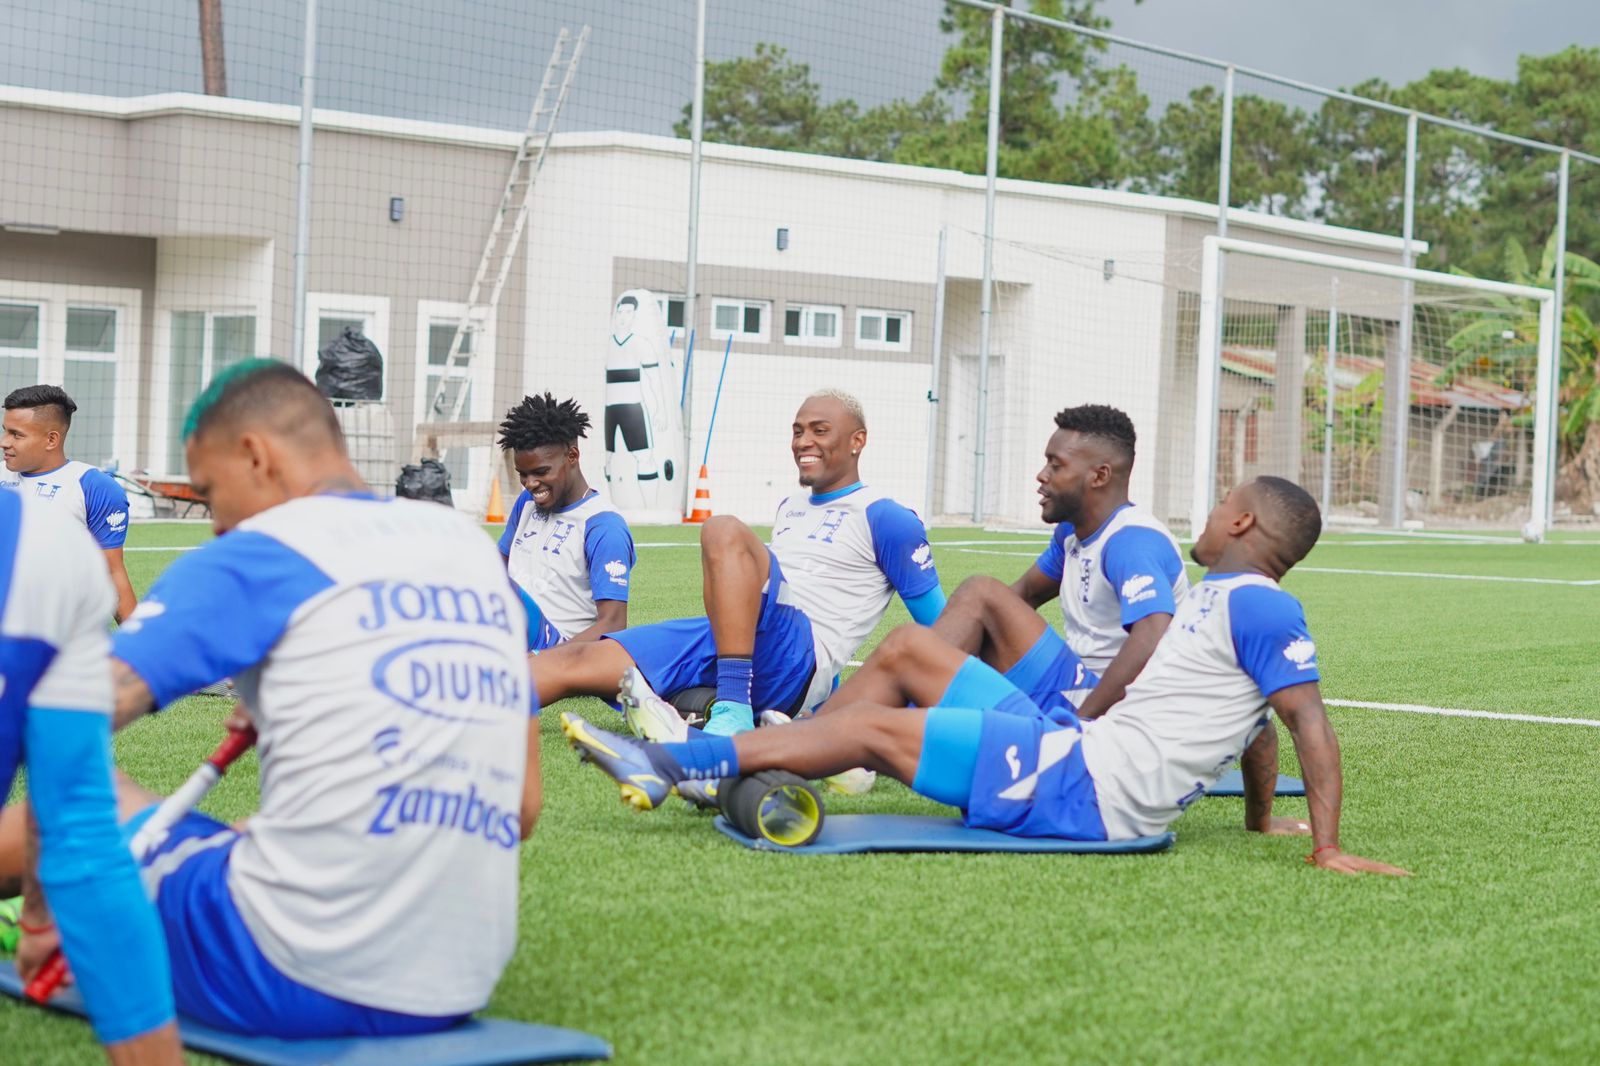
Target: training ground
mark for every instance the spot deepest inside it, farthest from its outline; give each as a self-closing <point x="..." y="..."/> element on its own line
<point x="678" y="947"/>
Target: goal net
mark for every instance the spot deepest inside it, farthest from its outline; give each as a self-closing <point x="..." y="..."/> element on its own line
<point x="1397" y="397"/>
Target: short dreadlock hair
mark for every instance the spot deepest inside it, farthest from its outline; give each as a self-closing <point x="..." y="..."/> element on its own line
<point x="541" y="420"/>
<point x="1097" y="420"/>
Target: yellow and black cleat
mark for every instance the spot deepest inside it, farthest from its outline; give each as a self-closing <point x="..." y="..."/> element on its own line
<point x="623" y="759"/>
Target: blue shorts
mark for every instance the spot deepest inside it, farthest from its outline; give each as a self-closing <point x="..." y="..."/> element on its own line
<point x="1028" y="778"/>
<point x="681" y="653"/>
<point x="1052" y="674"/>
<point x="543" y="636"/>
<point x="219" y="976"/>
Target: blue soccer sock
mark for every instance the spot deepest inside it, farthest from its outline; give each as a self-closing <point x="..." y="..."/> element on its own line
<point x="733" y="679"/>
<point x="705" y="756"/>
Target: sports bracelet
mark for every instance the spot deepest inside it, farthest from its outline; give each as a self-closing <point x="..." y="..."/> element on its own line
<point x="35" y="930"/>
<point x="1312" y="858"/>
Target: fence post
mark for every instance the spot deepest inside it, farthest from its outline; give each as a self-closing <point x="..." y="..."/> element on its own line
<point x="1550" y="396"/>
<point x="1328" y="405"/>
<point x="697" y="122"/>
<point x="933" y="381"/>
<point x="997" y="28"/>
<point x="302" y="218"/>
<point x="1208" y="386"/>
<point x="1397" y="398"/>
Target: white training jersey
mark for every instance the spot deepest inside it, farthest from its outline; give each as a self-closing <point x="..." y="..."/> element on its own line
<point x="844" y="554"/>
<point x="380" y="649"/>
<point x="90" y="495"/>
<point x="1126" y="570"/>
<point x="568" y="560"/>
<point x="55" y="597"/>
<point x="1235" y="640"/>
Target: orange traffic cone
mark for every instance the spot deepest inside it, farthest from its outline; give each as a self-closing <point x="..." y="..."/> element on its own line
<point x="497" y="503"/>
<point x="702" y="498"/>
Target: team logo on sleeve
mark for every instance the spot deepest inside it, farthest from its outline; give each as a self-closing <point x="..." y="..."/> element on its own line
<point x="146" y="609"/>
<point x="617" y="570"/>
<point x="1137" y="588"/>
<point x="1302" y="653"/>
<point x="116" y="520"/>
<point x="922" y="555"/>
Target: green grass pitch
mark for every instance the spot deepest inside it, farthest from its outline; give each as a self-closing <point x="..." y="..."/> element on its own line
<point x="677" y="946"/>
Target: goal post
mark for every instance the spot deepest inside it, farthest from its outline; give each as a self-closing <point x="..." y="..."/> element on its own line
<point x="1303" y="372"/>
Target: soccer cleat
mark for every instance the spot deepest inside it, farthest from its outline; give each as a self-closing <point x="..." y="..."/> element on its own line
<point x="856" y="782"/>
<point x="10" y="916"/>
<point x="702" y="794"/>
<point x="772" y="717"/>
<point x="648" y="715"/>
<point x="623" y="759"/>
<point x="729" y="719"/>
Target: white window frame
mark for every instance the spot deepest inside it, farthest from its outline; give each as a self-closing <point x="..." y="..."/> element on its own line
<point x="880" y="345"/>
<point x="374" y="314"/>
<point x="161" y="384"/>
<point x="663" y="299"/>
<point x="53" y="300"/>
<point x="808" y="320"/>
<point x="480" y="371"/>
<point x="761" y="337"/>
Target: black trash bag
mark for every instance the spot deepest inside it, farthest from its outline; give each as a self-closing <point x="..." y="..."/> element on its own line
<point x="427" y="481"/>
<point x="350" y="367"/>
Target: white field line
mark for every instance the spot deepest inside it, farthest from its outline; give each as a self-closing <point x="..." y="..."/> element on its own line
<point x="1457" y="712"/>
<point x="1447" y="577"/>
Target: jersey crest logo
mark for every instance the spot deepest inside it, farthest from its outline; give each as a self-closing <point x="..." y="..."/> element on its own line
<point x="832" y="519"/>
<point x="46" y="491"/>
<point x="558" y="536"/>
<point x="1137" y="588"/>
<point x="1301" y="652"/>
<point x="922" y="555"/>
<point x="116" y="519"/>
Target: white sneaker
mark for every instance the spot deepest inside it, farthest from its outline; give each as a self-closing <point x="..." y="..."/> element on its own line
<point x="702" y="794"/>
<point x="771" y="717"/>
<point x="647" y="714"/>
<point x="857" y="782"/>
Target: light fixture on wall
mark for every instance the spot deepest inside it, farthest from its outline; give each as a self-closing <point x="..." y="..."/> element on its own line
<point x="31" y="227"/>
<point x="397" y="208"/>
<point x="783" y="237"/>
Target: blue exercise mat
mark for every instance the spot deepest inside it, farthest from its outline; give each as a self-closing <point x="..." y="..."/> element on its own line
<point x="1232" y="784"/>
<point x="480" y="1042"/>
<point x="844" y="834"/>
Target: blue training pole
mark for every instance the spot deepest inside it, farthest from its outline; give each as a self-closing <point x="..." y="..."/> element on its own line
<point x="716" y="401"/>
<point x="683" y="393"/>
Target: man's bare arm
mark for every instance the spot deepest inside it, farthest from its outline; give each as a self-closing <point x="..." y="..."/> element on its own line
<point x="532" y="784"/>
<point x="1301" y="708"/>
<point x="1143" y="636"/>
<point x="126" y="600"/>
<point x="131" y="696"/>
<point x="1260" y="770"/>
<point x="1036" y="587"/>
<point x="610" y="617"/>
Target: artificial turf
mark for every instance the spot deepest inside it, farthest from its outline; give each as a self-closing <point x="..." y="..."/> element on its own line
<point x="677" y="946"/>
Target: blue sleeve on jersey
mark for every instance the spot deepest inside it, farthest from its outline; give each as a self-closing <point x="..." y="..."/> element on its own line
<point x="608" y="548"/>
<point x="1141" y="565"/>
<point x="926" y="607"/>
<point x="105" y="508"/>
<point x="214" y="612"/>
<point x="108" y="928"/>
<point x="1270" y="638"/>
<point x="1052" y="562"/>
<point x="513" y="520"/>
<point x="900" y="545"/>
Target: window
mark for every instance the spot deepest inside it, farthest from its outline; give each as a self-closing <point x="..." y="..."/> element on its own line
<point x="883" y="330"/>
<point x="671" y="310"/>
<point x="470" y="381"/>
<point x="89" y="374"/>
<point x="740" y="318"/>
<point x="19" y="345"/>
<point x="810" y="324"/>
<point x="203" y="344"/>
<point x="330" y="314"/>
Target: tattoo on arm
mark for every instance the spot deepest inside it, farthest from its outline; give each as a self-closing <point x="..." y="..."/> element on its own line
<point x="131" y="696"/>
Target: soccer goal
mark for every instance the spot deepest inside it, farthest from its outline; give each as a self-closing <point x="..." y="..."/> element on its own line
<point x="1395" y="396"/>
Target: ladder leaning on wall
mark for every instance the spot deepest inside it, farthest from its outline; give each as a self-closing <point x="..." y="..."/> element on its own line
<point x="445" y="430"/>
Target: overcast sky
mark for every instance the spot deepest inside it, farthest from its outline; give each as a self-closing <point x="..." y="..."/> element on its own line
<point x="479" y="61"/>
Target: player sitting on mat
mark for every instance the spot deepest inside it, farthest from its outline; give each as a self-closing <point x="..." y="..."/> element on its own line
<point x="382" y="653"/>
<point x="1237" y="650"/>
<point x="1116" y="568"/>
<point x="55" y="710"/>
<point x="564" y="546"/>
<point x="782" y="621"/>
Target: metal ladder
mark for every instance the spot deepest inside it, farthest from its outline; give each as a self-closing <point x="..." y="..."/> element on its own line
<point x="510" y="219"/>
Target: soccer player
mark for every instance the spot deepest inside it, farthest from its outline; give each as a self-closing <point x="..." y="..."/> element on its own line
<point x="1116" y="568"/>
<point x="381" y="651"/>
<point x="781" y="620"/>
<point x="568" y="549"/>
<point x="83" y="889"/>
<point x="37" y="419"/>
<point x="1237" y="651"/>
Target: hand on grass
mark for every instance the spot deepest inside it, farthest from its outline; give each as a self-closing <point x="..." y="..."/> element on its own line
<point x="1345" y="863"/>
<point x="1286" y="827"/>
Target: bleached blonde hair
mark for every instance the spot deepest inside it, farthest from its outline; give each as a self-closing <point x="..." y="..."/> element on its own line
<point x="846" y="400"/>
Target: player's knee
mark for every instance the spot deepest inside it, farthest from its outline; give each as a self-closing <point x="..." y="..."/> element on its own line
<point x="977" y="593"/>
<point x="905" y="646"/>
<point x="723" y="533"/>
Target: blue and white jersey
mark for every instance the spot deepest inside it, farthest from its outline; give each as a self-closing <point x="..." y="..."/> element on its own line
<point x="87" y="493"/>
<point x="567" y="560"/>
<point x="380" y="650"/>
<point x="1235" y="640"/>
<point x="844" y="554"/>
<point x="55" y="597"/>
<point x="1126" y="570"/>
